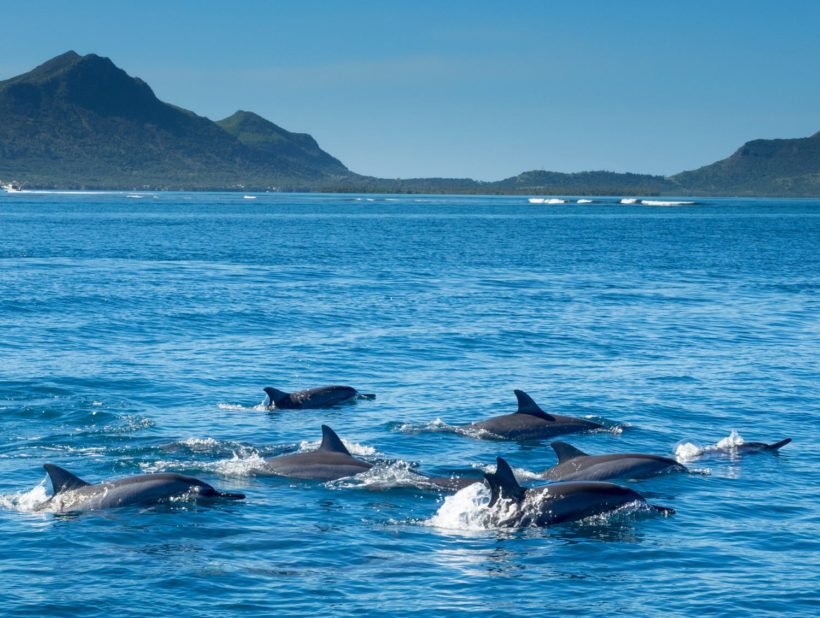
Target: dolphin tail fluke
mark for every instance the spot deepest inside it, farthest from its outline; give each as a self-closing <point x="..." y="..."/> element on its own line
<point x="332" y="442"/>
<point x="778" y="445"/>
<point x="63" y="480"/>
<point x="527" y="405"/>
<point x="503" y="483"/>
<point x="565" y="451"/>
<point x="275" y="395"/>
<point x="367" y="396"/>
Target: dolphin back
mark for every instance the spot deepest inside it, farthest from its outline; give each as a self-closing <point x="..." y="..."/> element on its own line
<point x="332" y="442"/>
<point x="565" y="451"/>
<point x="527" y="405"/>
<point x="63" y="480"/>
<point x="503" y="483"/>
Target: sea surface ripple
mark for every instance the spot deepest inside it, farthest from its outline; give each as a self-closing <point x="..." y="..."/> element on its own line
<point x="136" y="335"/>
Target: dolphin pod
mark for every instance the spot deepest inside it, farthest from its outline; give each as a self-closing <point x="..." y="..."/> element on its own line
<point x="557" y="502"/>
<point x="320" y="397"/>
<point x="575" y="465"/>
<point x="531" y="422"/>
<point x="578" y="489"/>
<point x="72" y="494"/>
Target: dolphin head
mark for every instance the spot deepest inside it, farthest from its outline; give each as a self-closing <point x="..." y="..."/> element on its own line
<point x="203" y="490"/>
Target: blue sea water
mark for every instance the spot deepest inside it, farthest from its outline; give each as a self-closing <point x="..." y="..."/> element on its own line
<point x="136" y="335"/>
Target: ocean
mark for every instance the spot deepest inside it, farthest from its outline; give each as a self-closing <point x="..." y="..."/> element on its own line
<point x="137" y="332"/>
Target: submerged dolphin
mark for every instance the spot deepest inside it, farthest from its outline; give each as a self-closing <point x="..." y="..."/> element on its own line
<point x="531" y="422"/>
<point x="557" y="502"/>
<point x="575" y="465"/>
<point x="321" y="397"/>
<point x="72" y="494"/>
<point x="756" y="447"/>
<point x="329" y="462"/>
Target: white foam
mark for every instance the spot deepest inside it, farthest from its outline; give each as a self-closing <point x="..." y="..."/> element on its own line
<point x="664" y="203"/>
<point x="536" y="200"/>
<point x="25" y="501"/>
<point x="353" y="447"/>
<point x="733" y="440"/>
<point x="629" y="200"/>
<point x="200" y="444"/>
<point x="240" y="464"/>
<point x="249" y="197"/>
<point x="260" y="407"/>
<point x="584" y="202"/>
<point x="385" y="476"/>
<point x="689" y="451"/>
<point x="465" y="510"/>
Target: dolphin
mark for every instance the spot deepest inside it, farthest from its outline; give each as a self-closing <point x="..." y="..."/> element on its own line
<point x="531" y="422"/>
<point x="757" y="447"/>
<point x="321" y="397"/>
<point x="72" y="494"/>
<point x="332" y="461"/>
<point x="575" y="465"/>
<point x="557" y="502"/>
<point x="329" y="462"/>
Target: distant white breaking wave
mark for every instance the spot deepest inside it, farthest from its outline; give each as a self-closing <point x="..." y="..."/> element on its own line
<point x="635" y="200"/>
<point x="664" y="203"/>
<point x="546" y="200"/>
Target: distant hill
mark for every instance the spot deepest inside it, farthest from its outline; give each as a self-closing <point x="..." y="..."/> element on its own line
<point x="81" y="122"/>
<point x="787" y="167"/>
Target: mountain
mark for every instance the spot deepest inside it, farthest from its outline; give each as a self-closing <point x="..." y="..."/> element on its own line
<point x="81" y="122"/>
<point x="785" y="167"/>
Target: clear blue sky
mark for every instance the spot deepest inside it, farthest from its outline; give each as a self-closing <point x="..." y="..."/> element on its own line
<point x="464" y="88"/>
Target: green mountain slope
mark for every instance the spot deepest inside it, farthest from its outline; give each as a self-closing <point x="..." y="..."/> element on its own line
<point x="787" y="167"/>
<point x="79" y="121"/>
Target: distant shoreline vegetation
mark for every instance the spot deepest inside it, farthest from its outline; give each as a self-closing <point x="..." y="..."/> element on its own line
<point x="81" y="123"/>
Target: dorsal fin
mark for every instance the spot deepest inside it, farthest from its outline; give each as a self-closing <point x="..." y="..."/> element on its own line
<point x="566" y="451"/>
<point x="275" y="395"/>
<point x="778" y="445"/>
<point x="63" y="480"/>
<point x="503" y="483"/>
<point x="526" y="405"/>
<point x="332" y="442"/>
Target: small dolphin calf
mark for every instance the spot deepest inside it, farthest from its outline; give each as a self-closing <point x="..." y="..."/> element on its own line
<point x="321" y="397"/>
<point x="575" y="465"/>
<point x="329" y="462"/>
<point x="72" y="494"/>
<point x="530" y="422"/>
<point x="557" y="502"/>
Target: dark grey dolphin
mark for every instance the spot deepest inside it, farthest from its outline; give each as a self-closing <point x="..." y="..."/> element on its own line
<point x="531" y="422"/>
<point x="575" y="465"/>
<point x="321" y="397"/>
<point x="72" y="494"/>
<point x="557" y="502"/>
<point x="329" y="462"/>
<point x="756" y="447"/>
